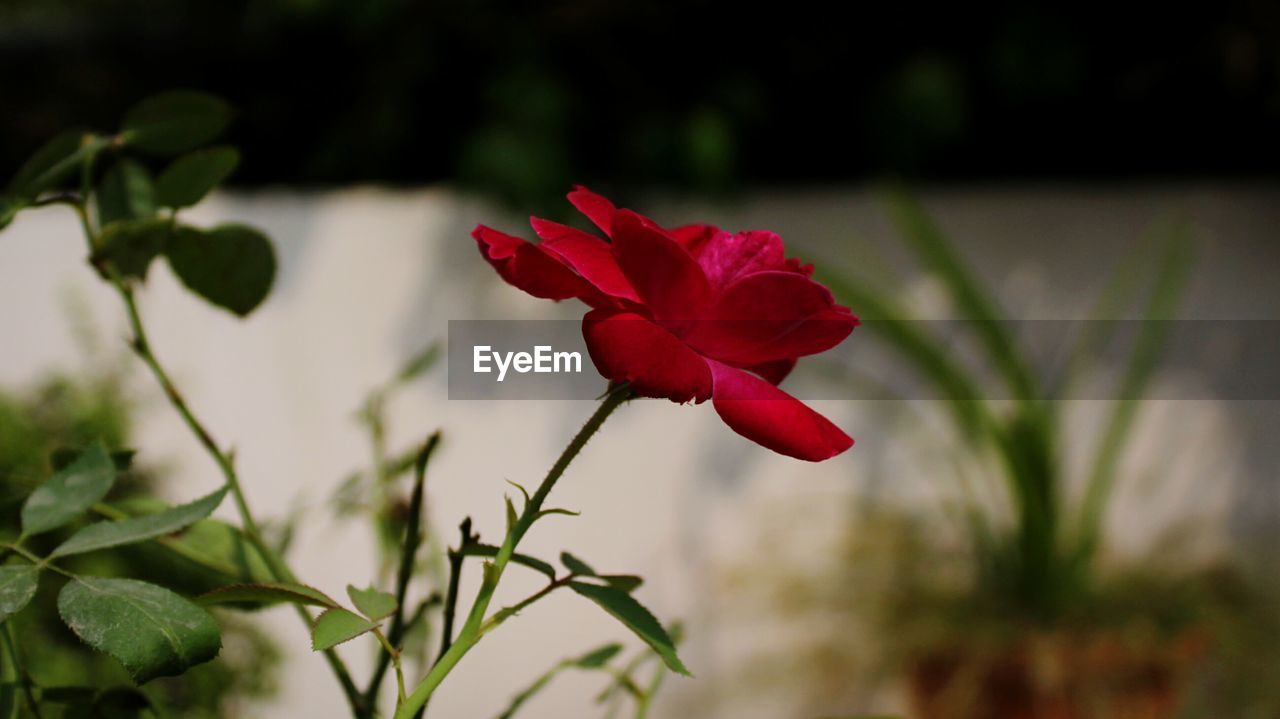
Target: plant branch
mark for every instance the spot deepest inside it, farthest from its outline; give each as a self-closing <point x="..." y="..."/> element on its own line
<point x="472" y="630"/>
<point x="142" y="347"/>
<point x="394" y="654"/>
<point x="456" y="558"/>
<point x="20" y="670"/>
<point x="503" y="614"/>
<point x="412" y="541"/>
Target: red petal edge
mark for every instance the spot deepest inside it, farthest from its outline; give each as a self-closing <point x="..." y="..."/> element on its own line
<point x="772" y="418"/>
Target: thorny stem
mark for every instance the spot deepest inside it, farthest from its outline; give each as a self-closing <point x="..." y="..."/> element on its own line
<point x="504" y="614"/>
<point x="408" y="556"/>
<point x="142" y="347"/>
<point x="473" y="628"/>
<point x="456" y="559"/>
<point x="253" y="532"/>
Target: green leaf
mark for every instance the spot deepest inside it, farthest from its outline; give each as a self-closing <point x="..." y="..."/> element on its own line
<point x="268" y="593"/>
<point x="9" y="207"/>
<point x="17" y="586"/>
<point x="175" y="122"/>
<point x="523" y="492"/>
<point x="575" y="565"/>
<point x="625" y="582"/>
<point x="137" y="529"/>
<point x="131" y="245"/>
<point x="336" y="626"/>
<point x="152" y="631"/>
<point x="192" y="176"/>
<point x="557" y="510"/>
<point x="70" y="492"/>
<point x="223" y="547"/>
<point x="597" y="658"/>
<point x="125" y="193"/>
<point x="231" y="266"/>
<point x="1161" y="306"/>
<point x="421" y="362"/>
<point x="61" y="457"/>
<point x="635" y="617"/>
<point x="511" y="513"/>
<point x="476" y="549"/>
<point x="55" y="163"/>
<point x="372" y="603"/>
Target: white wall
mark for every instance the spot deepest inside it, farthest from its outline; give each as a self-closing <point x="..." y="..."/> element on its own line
<point x="368" y="276"/>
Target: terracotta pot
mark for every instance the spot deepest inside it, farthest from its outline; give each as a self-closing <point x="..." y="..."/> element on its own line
<point x="1056" y="676"/>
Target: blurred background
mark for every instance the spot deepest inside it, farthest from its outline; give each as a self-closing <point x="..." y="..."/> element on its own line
<point x="1036" y="556"/>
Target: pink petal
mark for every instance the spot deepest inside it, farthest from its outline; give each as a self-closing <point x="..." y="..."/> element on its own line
<point x="597" y="208"/>
<point x="532" y="269"/>
<point x="770" y="316"/>
<point x="665" y="276"/>
<point x="587" y="254"/>
<point x="627" y="347"/>
<point x="772" y="418"/>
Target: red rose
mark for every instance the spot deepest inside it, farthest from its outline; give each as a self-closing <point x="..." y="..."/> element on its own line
<point x="688" y="314"/>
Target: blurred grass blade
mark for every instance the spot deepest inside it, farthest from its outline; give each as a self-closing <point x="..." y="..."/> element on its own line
<point x="883" y="319"/>
<point x="936" y="252"/>
<point x="1122" y="289"/>
<point x="1170" y="281"/>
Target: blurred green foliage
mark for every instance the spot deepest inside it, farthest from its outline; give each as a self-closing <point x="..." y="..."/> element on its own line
<point x="1041" y="564"/>
<point x="1032" y="571"/>
<point x="516" y="99"/>
<point x="58" y="413"/>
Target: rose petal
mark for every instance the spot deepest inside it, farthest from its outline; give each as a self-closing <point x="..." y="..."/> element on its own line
<point x="532" y="269"/>
<point x="587" y="254"/>
<point x="770" y="316"/>
<point x="727" y="257"/>
<point x="772" y="418"/>
<point x="627" y="347"/>
<point x="665" y="276"/>
<point x="597" y="208"/>
<point x="774" y="372"/>
<point x="694" y="237"/>
<point x="795" y="265"/>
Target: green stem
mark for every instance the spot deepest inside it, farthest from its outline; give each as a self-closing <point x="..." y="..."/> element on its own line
<point x="375" y="420"/>
<point x="456" y="558"/>
<point x="646" y="697"/>
<point x="142" y="347"/>
<point x="18" y="550"/>
<point x="507" y="612"/>
<point x="395" y="659"/>
<point x="519" y="700"/>
<point x="252" y="531"/>
<point x="471" y="630"/>
<point x="20" y="670"/>
<point x="409" y="553"/>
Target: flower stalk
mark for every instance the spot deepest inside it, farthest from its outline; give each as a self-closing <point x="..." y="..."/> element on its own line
<point x="475" y="625"/>
<point x="141" y="345"/>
